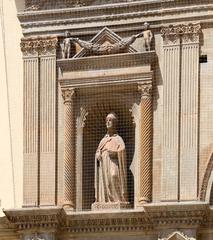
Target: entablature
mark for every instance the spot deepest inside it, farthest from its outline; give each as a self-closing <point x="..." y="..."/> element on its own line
<point x="106" y="70"/>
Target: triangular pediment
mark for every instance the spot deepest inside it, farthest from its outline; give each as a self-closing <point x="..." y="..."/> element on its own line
<point x="177" y="236"/>
<point x="106" y="39"/>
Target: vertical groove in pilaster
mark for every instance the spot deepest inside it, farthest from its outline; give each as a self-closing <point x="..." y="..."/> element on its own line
<point x="30" y="128"/>
<point x="171" y="77"/>
<point x="47" y="129"/>
<point x="189" y="118"/>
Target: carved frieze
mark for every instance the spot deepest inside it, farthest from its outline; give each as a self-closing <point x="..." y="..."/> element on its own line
<point x="39" y="45"/>
<point x="33" y="5"/>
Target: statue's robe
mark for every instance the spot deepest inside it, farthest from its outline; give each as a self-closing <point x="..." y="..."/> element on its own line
<point x="111" y="170"/>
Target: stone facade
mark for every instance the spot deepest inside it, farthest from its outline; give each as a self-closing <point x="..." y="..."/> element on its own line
<point x="163" y="95"/>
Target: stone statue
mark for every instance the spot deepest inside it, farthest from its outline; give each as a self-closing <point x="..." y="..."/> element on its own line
<point x="147" y="35"/>
<point x="111" y="166"/>
<point x="102" y="49"/>
<point x="66" y="46"/>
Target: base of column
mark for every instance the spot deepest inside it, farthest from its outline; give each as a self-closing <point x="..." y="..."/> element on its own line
<point x="143" y="200"/>
<point x="68" y="205"/>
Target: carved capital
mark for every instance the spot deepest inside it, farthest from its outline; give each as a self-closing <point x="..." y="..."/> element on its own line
<point x="82" y="118"/>
<point x="39" y="45"/>
<point x="188" y="32"/>
<point x="146" y="90"/>
<point x="68" y="95"/>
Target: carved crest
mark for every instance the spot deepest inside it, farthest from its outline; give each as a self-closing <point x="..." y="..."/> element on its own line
<point x="177" y="235"/>
<point x="107" y="42"/>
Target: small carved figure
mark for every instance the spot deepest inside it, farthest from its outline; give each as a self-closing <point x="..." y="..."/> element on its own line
<point x="66" y="46"/>
<point x="147" y="35"/>
<point x="33" y="7"/>
<point x="110" y="166"/>
<point x="35" y="237"/>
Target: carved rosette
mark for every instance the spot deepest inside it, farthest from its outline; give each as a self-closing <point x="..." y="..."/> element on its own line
<point x="146" y="144"/>
<point x="187" y="33"/>
<point x="39" y="45"/>
<point x="69" y="148"/>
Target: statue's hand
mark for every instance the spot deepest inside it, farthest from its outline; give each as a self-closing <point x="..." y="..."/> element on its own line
<point x="98" y="156"/>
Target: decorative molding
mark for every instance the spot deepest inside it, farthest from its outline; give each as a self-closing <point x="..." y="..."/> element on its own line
<point x="206" y="178"/>
<point x="39" y="45"/>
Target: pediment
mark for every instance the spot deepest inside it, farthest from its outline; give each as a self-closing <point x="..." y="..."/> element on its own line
<point x="177" y="236"/>
<point x="105" y="39"/>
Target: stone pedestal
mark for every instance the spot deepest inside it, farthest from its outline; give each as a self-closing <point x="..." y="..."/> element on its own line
<point x="101" y="206"/>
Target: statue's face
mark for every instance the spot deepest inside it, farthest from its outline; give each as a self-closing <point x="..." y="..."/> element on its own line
<point x="110" y="121"/>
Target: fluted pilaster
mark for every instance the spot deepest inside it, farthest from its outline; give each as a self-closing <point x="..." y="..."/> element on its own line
<point x="69" y="149"/>
<point x="146" y="144"/>
<point x="39" y="55"/>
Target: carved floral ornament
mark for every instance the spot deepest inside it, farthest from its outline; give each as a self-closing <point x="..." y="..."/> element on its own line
<point x="186" y="31"/>
<point x="39" y="45"/>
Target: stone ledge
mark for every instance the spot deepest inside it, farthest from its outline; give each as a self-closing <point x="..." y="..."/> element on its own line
<point x="150" y="217"/>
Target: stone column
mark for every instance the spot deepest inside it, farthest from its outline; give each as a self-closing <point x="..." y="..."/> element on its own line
<point x="69" y="148"/>
<point x="146" y="144"/>
<point x="79" y="156"/>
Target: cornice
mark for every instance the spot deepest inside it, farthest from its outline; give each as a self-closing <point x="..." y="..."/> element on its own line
<point x="23" y="219"/>
<point x="126" y="68"/>
<point x="106" y="61"/>
<point x="77" y="18"/>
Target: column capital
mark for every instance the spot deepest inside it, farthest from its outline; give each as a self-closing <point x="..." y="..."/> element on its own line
<point x="68" y="94"/>
<point x="145" y="89"/>
<point x="39" y="45"/>
<point x="173" y="33"/>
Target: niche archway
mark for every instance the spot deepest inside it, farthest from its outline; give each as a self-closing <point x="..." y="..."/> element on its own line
<point x="94" y="131"/>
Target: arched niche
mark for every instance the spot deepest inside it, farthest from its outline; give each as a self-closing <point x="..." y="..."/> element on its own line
<point x="94" y="131"/>
<point x="206" y="192"/>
